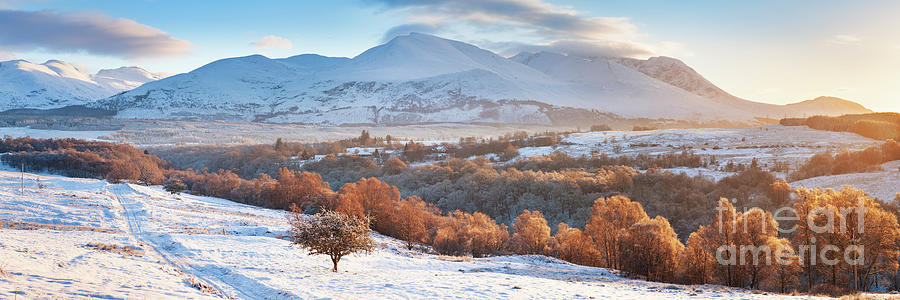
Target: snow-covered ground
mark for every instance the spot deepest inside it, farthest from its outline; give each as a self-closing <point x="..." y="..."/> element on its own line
<point x="56" y="134"/>
<point x="884" y="185"/>
<point x="235" y="250"/>
<point x="790" y="144"/>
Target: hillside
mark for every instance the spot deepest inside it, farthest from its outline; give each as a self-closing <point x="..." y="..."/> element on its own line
<point x="419" y="78"/>
<point x="181" y="244"/>
<point x="679" y="74"/>
<point x="55" y="84"/>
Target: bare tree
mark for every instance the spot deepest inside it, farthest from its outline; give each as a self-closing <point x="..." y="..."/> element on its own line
<point x="330" y="233"/>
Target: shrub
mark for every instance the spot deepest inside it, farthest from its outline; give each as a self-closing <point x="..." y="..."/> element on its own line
<point x="174" y="186"/>
<point x="601" y="127"/>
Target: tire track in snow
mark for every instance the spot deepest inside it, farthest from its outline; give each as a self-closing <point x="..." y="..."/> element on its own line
<point x="137" y="232"/>
<point x="214" y="280"/>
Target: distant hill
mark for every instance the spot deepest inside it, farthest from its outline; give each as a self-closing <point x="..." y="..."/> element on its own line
<point x="828" y="106"/>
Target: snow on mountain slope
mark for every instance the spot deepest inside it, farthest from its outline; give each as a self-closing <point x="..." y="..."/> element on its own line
<point x="428" y="79"/>
<point x="53" y="84"/>
<point x="610" y="86"/>
<point x="679" y="74"/>
<point x="419" y="78"/>
<point x="124" y="78"/>
<point x="417" y="56"/>
<point x="234" y="249"/>
<point x="676" y="73"/>
<point x="56" y="83"/>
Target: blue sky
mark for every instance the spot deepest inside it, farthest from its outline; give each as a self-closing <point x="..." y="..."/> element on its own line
<point x="771" y="51"/>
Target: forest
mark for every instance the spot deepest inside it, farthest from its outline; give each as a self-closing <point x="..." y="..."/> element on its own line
<point x="620" y="212"/>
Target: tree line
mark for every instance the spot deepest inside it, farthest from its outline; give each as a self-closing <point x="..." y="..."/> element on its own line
<point x="846" y="162"/>
<point x="879" y="126"/>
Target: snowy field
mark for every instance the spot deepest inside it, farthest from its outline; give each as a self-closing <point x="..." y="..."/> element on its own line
<point x="48" y="249"/>
<point x="50" y="133"/>
<point x="791" y="144"/>
<point x="884" y="185"/>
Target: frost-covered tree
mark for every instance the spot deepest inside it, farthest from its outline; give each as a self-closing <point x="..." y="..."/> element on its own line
<point x="330" y="233"/>
<point x="650" y="248"/>
<point x="531" y="233"/>
<point x="609" y="218"/>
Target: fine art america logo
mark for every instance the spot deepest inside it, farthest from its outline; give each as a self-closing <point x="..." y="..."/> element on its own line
<point x="818" y="221"/>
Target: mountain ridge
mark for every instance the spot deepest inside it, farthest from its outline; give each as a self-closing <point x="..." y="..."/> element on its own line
<point x="55" y="83"/>
<point x="420" y="78"/>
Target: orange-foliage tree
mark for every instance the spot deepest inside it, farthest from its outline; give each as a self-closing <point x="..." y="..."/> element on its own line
<point x="707" y="240"/>
<point x="476" y="234"/>
<point x="411" y="219"/>
<point x="650" y="248"/>
<point x="573" y="245"/>
<point x="786" y="267"/>
<point x="610" y="217"/>
<point x="697" y="264"/>
<point x="372" y="198"/>
<point x="756" y="240"/>
<point x="300" y="188"/>
<point x="530" y="233"/>
<point x="857" y="222"/>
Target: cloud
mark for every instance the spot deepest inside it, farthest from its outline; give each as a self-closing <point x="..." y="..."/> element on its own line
<point x="90" y="32"/>
<point x="9" y="4"/>
<point x="543" y="17"/>
<point x="586" y="49"/>
<point x="843" y="39"/>
<point x="552" y="27"/>
<point x="271" y="42"/>
<point x="405" y="29"/>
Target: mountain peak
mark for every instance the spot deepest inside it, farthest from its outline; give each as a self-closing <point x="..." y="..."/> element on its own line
<point x="675" y="72"/>
<point x="419" y="55"/>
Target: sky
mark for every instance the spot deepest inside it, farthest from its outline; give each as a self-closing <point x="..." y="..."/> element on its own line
<point x="766" y="50"/>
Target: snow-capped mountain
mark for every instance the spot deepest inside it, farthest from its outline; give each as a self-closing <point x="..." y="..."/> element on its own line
<point x="678" y="74"/>
<point x="125" y="78"/>
<point x="412" y="79"/>
<point x="606" y="85"/>
<point x="56" y="84"/>
<point x="419" y="78"/>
